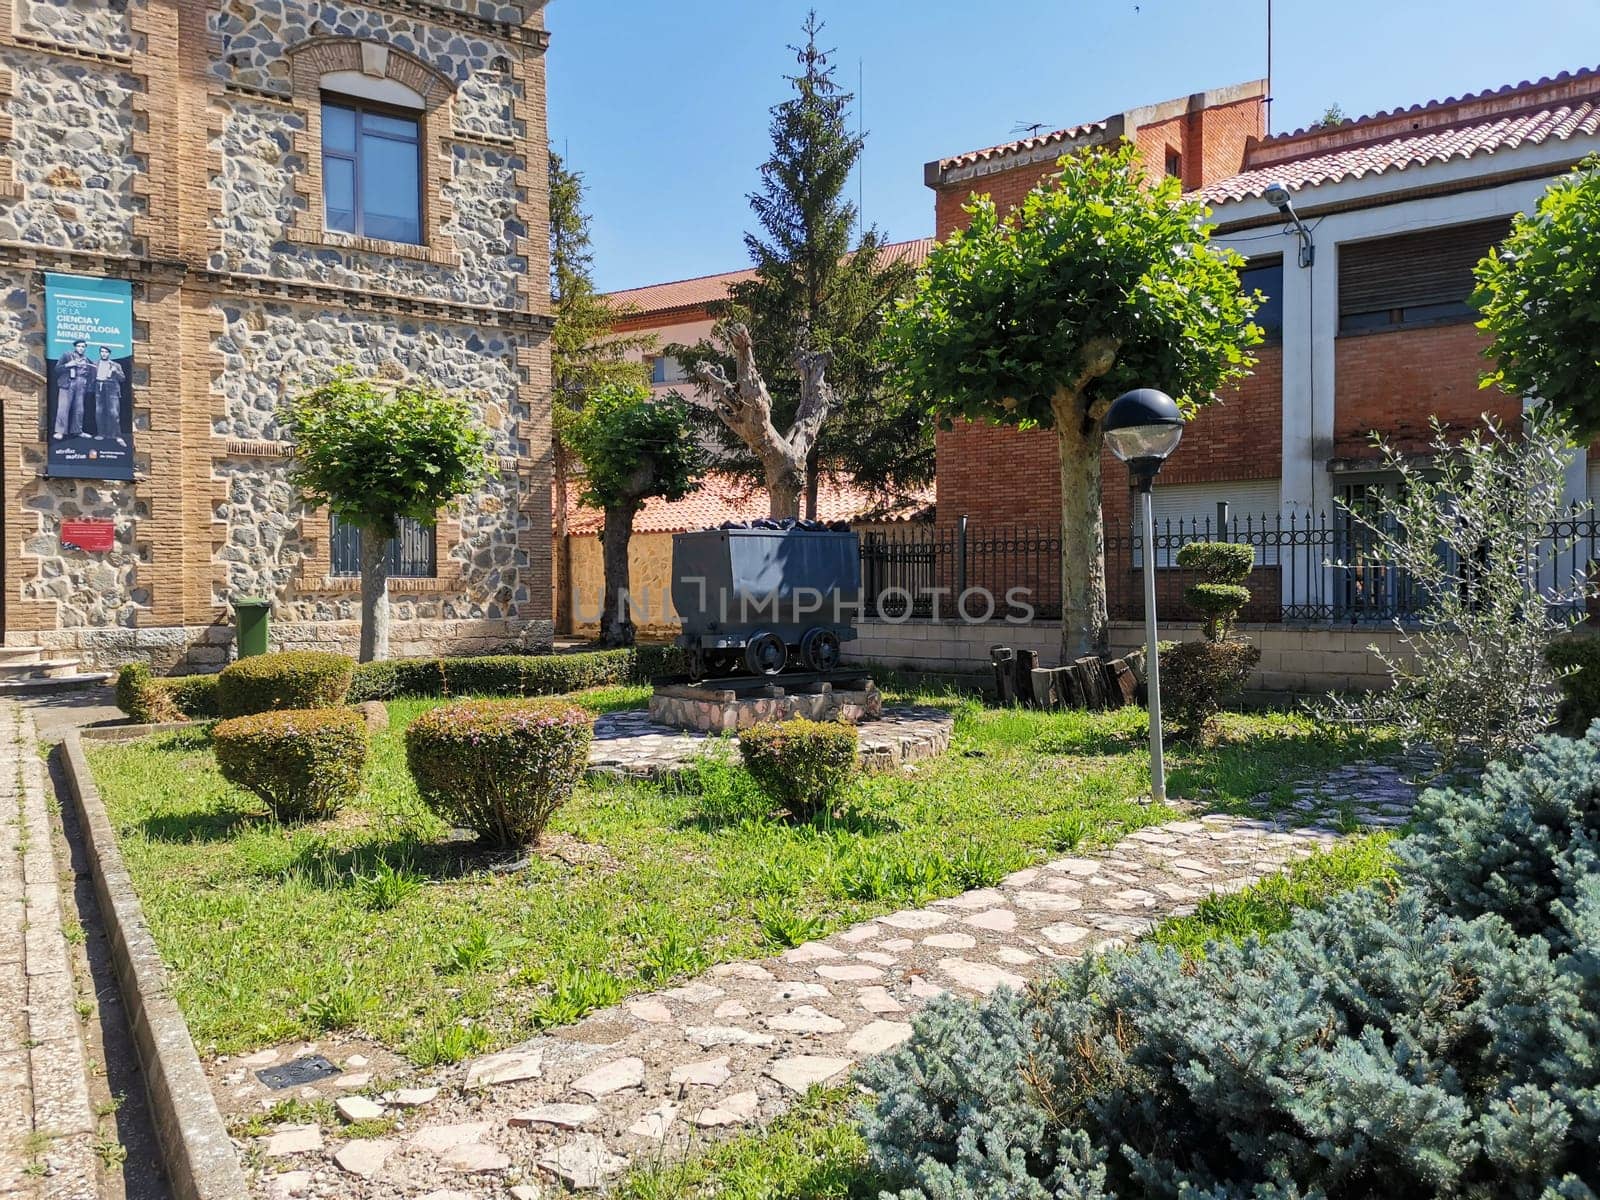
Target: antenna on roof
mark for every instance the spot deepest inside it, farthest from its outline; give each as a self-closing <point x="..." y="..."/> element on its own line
<point x="1267" y="103"/>
<point x="1031" y="130"/>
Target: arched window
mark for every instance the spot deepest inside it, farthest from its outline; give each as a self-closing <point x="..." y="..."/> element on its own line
<point x="372" y="147"/>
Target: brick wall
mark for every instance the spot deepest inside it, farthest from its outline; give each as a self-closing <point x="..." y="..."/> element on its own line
<point x="1393" y="382"/>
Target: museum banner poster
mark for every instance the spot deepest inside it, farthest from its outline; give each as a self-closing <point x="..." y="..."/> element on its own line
<point x="89" y="372"/>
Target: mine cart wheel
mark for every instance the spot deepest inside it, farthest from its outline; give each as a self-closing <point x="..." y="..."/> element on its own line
<point x="820" y="649"/>
<point x="765" y="654"/>
<point x="696" y="657"/>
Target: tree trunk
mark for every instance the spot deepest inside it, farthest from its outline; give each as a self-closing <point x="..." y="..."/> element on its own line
<point x="374" y="594"/>
<point x="1083" y="542"/>
<point x="562" y="567"/>
<point x="616" y="618"/>
<point x="785" y="482"/>
<point x="813" y="469"/>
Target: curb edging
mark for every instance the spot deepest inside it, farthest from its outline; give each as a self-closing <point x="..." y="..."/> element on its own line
<point x="199" y="1155"/>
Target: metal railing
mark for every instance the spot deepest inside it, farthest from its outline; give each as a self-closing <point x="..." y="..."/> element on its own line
<point x="1328" y="568"/>
<point x="412" y="554"/>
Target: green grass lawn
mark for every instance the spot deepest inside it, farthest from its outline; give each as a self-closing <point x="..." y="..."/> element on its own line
<point x="383" y="921"/>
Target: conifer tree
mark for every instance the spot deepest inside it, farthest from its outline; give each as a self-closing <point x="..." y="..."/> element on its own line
<point x="585" y="355"/>
<point x="815" y="303"/>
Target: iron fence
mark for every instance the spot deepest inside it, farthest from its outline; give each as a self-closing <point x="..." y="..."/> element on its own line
<point x="411" y="554"/>
<point x="1328" y="568"/>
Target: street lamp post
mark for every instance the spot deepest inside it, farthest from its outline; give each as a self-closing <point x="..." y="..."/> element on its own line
<point x="1143" y="428"/>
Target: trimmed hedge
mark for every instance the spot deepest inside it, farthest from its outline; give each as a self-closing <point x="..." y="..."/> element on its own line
<point x="149" y="699"/>
<point x="801" y="764"/>
<point x="304" y="764"/>
<point x="500" y="768"/>
<point x="1439" y="1040"/>
<point x="291" y="679"/>
<point x="1577" y="656"/>
<point x="512" y="674"/>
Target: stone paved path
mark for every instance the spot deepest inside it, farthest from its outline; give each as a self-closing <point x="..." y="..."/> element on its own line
<point x="47" y="1127"/>
<point x="642" y="1081"/>
<point x="631" y="744"/>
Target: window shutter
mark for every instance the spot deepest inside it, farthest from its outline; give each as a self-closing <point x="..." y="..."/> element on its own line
<point x="1414" y="269"/>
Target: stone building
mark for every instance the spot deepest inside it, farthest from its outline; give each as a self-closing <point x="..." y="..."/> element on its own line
<point x="289" y="186"/>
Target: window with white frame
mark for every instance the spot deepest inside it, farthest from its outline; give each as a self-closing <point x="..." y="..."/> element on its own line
<point x="1189" y="512"/>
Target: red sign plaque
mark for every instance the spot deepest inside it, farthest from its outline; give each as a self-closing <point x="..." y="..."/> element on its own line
<point x="95" y="536"/>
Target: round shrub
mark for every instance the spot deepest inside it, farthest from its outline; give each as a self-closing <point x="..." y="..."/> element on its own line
<point x="800" y="764"/>
<point x="1217" y="562"/>
<point x="287" y="680"/>
<point x="500" y="768"/>
<point x="303" y="763"/>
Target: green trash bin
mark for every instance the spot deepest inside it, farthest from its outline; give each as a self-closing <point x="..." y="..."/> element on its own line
<point x="250" y="614"/>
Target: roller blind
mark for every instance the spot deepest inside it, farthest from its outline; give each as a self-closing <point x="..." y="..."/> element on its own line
<point x="1414" y="270"/>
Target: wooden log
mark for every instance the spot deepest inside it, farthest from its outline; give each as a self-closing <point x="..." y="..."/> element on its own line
<point x="1004" y="660"/>
<point x="1027" y="664"/>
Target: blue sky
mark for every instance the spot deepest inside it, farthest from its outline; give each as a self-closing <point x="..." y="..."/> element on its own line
<point x="662" y="104"/>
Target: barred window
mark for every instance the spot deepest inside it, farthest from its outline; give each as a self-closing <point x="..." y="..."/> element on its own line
<point x="412" y="554"/>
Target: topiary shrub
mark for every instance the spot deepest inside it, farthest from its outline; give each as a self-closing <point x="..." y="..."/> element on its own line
<point x="1198" y="678"/>
<point x="1576" y="659"/>
<point x="1220" y="595"/>
<point x="500" y="768"/>
<point x="802" y="765"/>
<point x="291" y="679"/>
<point x="1442" y="1040"/>
<point x="150" y="699"/>
<point x="303" y="763"/>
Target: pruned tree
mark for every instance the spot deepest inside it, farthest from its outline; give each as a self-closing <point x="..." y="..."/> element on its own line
<point x="632" y="448"/>
<point x="585" y="353"/>
<point x="745" y="406"/>
<point x="1097" y="283"/>
<point x="376" y="455"/>
<point x="817" y="300"/>
<point x="1539" y="293"/>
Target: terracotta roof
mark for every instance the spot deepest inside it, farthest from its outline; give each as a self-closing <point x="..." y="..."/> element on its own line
<point x="703" y="290"/>
<point x="1562" y="107"/>
<point x="1025" y="145"/>
<point x="722" y="498"/>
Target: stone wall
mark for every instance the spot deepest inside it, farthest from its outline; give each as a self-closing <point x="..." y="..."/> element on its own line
<point x="177" y="146"/>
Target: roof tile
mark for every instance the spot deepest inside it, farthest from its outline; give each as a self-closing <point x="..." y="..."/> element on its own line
<point x="725" y="498"/>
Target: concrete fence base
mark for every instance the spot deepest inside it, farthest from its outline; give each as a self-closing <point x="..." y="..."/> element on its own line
<point x="1294" y="658"/>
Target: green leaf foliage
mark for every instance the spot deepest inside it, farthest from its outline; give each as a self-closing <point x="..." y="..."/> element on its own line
<point x="634" y="447"/>
<point x="297" y="679"/>
<point x="1539" y="293"/>
<point x="1440" y="1039"/>
<point x="1217" y="562"/>
<point x="801" y="764"/>
<point x="302" y="763"/>
<point x="374" y="454"/>
<point x="1005" y="311"/>
<point x="499" y="767"/>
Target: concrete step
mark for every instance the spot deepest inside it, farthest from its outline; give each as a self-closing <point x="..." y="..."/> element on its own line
<point x="12" y="685"/>
<point x="40" y="668"/>
<point x="20" y="654"/>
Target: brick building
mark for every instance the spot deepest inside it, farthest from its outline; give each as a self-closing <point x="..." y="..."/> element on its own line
<point x="1372" y="335"/>
<point x="288" y="186"/>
